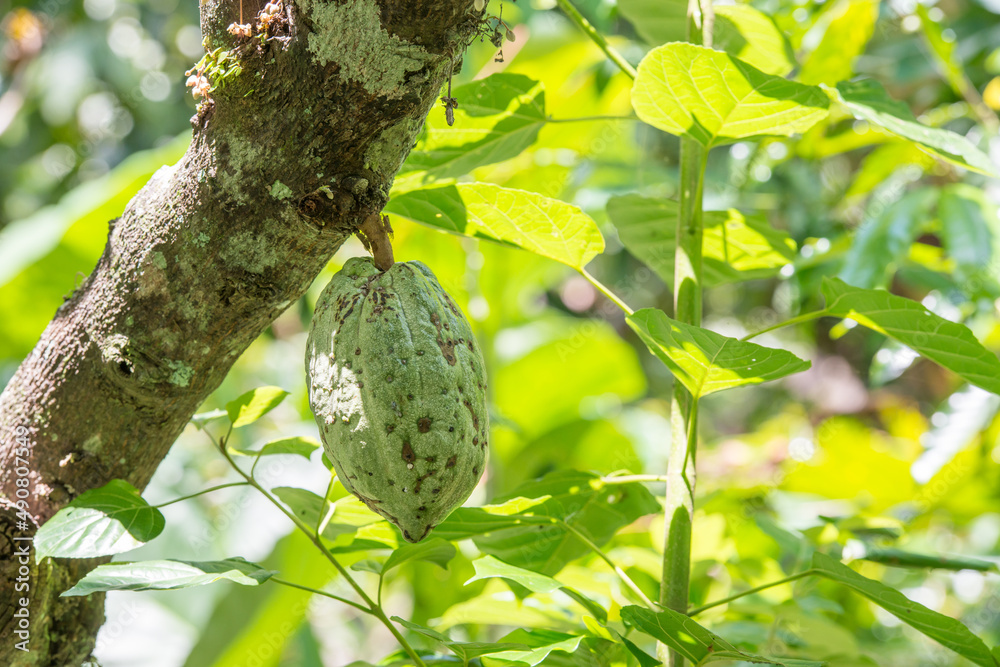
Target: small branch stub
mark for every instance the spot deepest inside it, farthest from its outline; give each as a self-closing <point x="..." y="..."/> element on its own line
<point x="376" y="235"/>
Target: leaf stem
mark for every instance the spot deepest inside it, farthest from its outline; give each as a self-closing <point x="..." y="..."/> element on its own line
<point x="374" y="608"/>
<point x="627" y="580"/>
<point x="200" y="493"/>
<point x="764" y="587"/>
<point x="357" y="606"/>
<point x="798" y="319"/>
<point x="606" y="292"/>
<point x="574" y="15"/>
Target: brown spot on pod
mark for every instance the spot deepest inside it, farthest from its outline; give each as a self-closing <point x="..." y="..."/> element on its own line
<point x="452" y="461"/>
<point x="424" y="424"/>
<point x="408" y="455"/>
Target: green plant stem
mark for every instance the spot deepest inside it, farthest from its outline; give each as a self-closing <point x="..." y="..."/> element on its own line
<point x="679" y="500"/>
<point x="798" y="319"/>
<point x="599" y="39"/>
<point x="373" y="607"/>
<point x="627" y="580"/>
<point x="606" y="292"/>
<point x="201" y="493"/>
<point x="357" y="606"/>
<point x="764" y="587"/>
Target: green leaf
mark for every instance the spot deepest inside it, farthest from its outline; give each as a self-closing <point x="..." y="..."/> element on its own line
<point x="689" y="90"/>
<point x="752" y="36"/>
<point x="168" y="575"/>
<point x="656" y="21"/>
<point x="707" y="362"/>
<point x="372" y="566"/>
<point x="967" y="220"/>
<point x="691" y="640"/>
<point x="100" y="522"/>
<point x="901" y="558"/>
<point x="544" y="226"/>
<point x="949" y="344"/>
<point x="944" y="54"/>
<point x="534" y="539"/>
<point x="644" y="659"/>
<point x="943" y="629"/>
<point x="843" y="41"/>
<point x="348" y="513"/>
<point x="735" y="247"/>
<point x="497" y="118"/>
<point x="880" y="243"/>
<point x="740" y="30"/>
<point x="465" y="650"/>
<point x="868" y="100"/>
<point x="490" y="567"/>
<point x="538" y="645"/>
<point x="302" y="446"/>
<point x="434" y="550"/>
<point x="254" y="404"/>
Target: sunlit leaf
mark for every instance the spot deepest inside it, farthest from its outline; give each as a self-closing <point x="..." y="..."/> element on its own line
<point x="843" y="41"/>
<point x="544" y="226"/>
<point x="943" y="629"/>
<point x="302" y="446"/>
<point x="948" y="343"/>
<point x="868" y="100"/>
<point x="735" y="247"/>
<point x="689" y="90"/>
<point x="707" y="362"/>
<point x="496" y="119"/>
<point x="168" y="575"/>
<point x="740" y="30"/>
<point x="109" y="520"/>
<point x="489" y="567"/>
<point x="254" y="404"/>
<point x="751" y="35"/>
<point x="539" y="644"/>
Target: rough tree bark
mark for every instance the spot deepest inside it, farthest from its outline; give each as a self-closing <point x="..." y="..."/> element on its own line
<point x="289" y="159"/>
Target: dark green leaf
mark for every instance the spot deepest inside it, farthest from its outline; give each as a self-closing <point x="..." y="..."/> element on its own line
<point x="943" y="629"/>
<point x="168" y="575"/>
<point x="100" y="522"/>
<point x="948" y="343"/>
<point x="254" y="404"/>
<point x="707" y="362"/>
<point x="901" y="558"/>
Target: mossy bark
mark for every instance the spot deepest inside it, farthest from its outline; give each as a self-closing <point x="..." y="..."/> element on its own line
<point x="291" y="156"/>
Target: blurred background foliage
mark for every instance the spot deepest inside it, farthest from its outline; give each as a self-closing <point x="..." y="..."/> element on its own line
<point x="870" y="450"/>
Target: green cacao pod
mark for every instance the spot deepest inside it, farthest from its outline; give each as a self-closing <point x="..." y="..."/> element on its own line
<point x="398" y="388"/>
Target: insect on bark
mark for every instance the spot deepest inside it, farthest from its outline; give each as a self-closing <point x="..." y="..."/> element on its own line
<point x="450" y="104"/>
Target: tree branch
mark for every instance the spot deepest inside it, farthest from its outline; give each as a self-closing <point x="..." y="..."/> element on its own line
<point x="288" y="159"/>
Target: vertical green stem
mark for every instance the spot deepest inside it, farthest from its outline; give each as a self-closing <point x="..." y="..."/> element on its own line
<point x="679" y="510"/>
